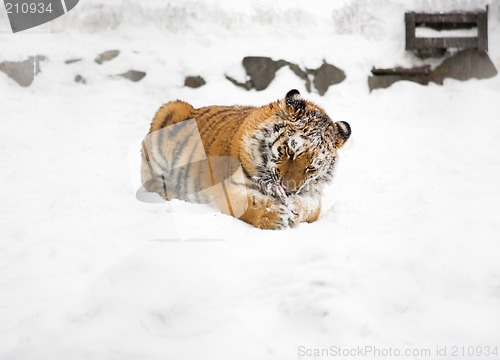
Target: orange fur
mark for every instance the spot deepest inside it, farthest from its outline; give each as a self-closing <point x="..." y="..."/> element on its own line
<point x="276" y="152"/>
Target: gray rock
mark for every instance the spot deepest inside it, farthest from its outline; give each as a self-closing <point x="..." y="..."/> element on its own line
<point x="133" y="75"/>
<point x="261" y="70"/>
<point x="384" y="81"/>
<point x="465" y="65"/>
<point x="80" y="79"/>
<point x="297" y="70"/>
<point x="107" y="56"/>
<point x="23" y="72"/>
<point x="247" y="85"/>
<point x="194" y="81"/>
<point x="326" y="76"/>
<point x="71" y="61"/>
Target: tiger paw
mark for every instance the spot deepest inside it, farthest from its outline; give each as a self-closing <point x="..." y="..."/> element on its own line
<point x="273" y="188"/>
<point x="276" y="217"/>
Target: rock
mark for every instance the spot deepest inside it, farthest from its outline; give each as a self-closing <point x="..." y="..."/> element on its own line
<point x="71" y="61"/>
<point x="194" y="82"/>
<point x="247" y="85"/>
<point x="261" y="70"/>
<point x="23" y="72"/>
<point x="80" y="79"/>
<point x="297" y="70"/>
<point x="384" y="81"/>
<point x="465" y="65"/>
<point x="107" y="56"/>
<point x="133" y="75"/>
<point x="326" y="76"/>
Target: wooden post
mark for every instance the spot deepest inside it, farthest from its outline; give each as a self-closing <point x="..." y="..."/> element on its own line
<point x="482" y="31"/>
<point x="410" y="30"/>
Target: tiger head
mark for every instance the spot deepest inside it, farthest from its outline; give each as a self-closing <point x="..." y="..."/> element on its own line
<point x="299" y="142"/>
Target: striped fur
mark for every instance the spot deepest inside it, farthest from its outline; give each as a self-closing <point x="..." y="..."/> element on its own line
<point x="264" y="165"/>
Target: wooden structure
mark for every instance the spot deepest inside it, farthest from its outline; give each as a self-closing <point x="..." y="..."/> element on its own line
<point x="447" y="21"/>
<point x="471" y="61"/>
<point x="383" y="78"/>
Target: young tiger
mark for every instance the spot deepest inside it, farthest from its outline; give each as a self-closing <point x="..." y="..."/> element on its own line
<point x="264" y="165"/>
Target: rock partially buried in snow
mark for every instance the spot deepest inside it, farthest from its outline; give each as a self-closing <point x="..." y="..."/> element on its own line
<point x="247" y="85"/>
<point x="327" y="75"/>
<point x="297" y="70"/>
<point x="194" y="81"/>
<point x="261" y="70"/>
<point x="133" y="75"/>
<point x="80" y="79"/>
<point x="23" y="72"/>
<point x="465" y="65"/>
<point x="107" y="56"/>
<point x="72" y="61"/>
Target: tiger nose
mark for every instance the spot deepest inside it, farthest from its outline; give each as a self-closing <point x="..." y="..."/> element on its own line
<point x="290" y="185"/>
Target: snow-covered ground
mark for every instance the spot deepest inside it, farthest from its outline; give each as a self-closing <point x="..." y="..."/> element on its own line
<point x="405" y="254"/>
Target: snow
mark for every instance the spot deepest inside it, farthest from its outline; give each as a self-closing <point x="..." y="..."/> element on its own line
<point x="405" y="254"/>
<point x="430" y="33"/>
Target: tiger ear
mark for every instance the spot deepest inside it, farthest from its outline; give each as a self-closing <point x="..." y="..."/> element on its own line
<point x="292" y="93"/>
<point x="293" y="103"/>
<point x="342" y="133"/>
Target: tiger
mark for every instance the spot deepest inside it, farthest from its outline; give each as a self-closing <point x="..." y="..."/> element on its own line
<point x="264" y="165"/>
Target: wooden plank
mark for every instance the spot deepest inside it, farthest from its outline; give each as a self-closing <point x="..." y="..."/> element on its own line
<point x="421" y="70"/>
<point x="457" y="18"/>
<point x="410" y="30"/>
<point x="444" y="43"/>
<point x="482" y="31"/>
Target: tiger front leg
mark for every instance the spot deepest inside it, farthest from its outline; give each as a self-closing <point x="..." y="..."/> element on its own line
<point x="266" y="211"/>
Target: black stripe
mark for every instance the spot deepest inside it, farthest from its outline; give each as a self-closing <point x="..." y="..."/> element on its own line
<point x="276" y="140"/>
<point x="160" y="143"/>
<point x="245" y="172"/>
<point x="217" y="131"/>
<point x="178" y="154"/>
<point x="181" y="143"/>
<point x="210" y="125"/>
<point x="159" y="146"/>
<point x="236" y="183"/>
<point x="205" y="110"/>
<point x="164" y="186"/>
<point x="153" y="157"/>
<point x="187" y="168"/>
<point x="167" y="118"/>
